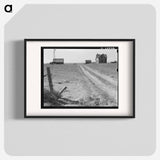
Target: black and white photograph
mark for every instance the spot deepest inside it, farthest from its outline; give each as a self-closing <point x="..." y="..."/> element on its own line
<point x="79" y="77"/>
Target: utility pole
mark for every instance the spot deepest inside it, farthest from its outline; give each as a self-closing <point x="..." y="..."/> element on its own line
<point x="54" y="53"/>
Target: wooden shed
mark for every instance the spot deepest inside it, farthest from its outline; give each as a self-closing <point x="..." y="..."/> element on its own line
<point x="58" y="61"/>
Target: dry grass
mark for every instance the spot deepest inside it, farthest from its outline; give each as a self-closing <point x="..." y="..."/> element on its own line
<point x="106" y="68"/>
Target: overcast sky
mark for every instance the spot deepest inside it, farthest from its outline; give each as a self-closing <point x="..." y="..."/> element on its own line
<point x="78" y="55"/>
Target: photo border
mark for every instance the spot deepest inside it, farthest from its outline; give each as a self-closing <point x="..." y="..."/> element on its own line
<point x="25" y="76"/>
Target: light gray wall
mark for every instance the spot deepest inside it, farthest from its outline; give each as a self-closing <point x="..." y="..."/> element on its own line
<point x="81" y="136"/>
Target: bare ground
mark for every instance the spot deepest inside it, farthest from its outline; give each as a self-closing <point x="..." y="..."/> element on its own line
<point x="85" y="84"/>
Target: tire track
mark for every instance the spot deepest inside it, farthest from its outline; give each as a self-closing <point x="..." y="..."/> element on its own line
<point x="95" y="95"/>
<point x="105" y="77"/>
<point x="109" y="89"/>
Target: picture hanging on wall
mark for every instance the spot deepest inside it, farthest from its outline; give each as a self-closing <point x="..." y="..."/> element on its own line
<point x="79" y="78"/>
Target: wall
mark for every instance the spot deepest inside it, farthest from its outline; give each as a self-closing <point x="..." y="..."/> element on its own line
<point x="81" y="136"/>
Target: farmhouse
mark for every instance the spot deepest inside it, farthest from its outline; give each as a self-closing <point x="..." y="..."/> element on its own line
<point x="58" y="61"/>
<point x="101" y="58"/>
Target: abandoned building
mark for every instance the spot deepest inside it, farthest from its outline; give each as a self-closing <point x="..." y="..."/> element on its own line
<point x="101" y="58"/>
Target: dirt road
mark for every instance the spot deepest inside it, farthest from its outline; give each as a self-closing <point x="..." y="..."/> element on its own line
<point x="102" y="86"/>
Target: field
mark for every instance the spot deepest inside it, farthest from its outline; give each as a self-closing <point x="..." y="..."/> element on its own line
<point x="86" y="84"/>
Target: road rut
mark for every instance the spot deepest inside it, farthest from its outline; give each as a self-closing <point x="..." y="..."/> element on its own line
<point x="105" y="83"/>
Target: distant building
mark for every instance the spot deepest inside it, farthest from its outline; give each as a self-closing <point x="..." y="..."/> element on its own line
<point x="113" y="62"/>
<point x="58" y="61"/>
<point x="88" y="61"/>
<point x="101" y="58"/>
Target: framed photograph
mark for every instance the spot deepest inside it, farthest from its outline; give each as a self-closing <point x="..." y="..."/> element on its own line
<point x="79" y="78"/>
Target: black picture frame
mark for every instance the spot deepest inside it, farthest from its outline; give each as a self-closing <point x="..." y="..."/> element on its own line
<point x="25" y="76"/>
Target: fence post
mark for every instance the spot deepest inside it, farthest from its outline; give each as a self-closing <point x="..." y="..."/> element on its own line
<point x="50" y="80"/>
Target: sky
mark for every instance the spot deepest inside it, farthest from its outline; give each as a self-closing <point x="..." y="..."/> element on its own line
<point x="79" y="55"/>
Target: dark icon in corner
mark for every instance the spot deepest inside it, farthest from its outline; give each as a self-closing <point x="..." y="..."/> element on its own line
<point x="8" y="8"/>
